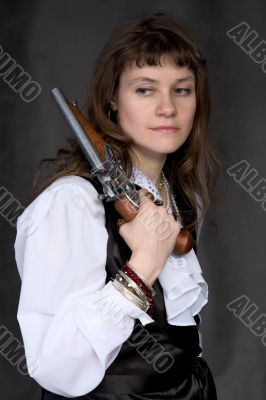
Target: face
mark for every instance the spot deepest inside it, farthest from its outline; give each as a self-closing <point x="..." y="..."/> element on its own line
<point x="156" y="107"/>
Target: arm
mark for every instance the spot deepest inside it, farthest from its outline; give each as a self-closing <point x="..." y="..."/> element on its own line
<point x="64" y="308"/>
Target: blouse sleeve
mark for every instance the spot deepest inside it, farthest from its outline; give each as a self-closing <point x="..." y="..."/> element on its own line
<point x="73" y="324"/>
<point x="185" y="290"/>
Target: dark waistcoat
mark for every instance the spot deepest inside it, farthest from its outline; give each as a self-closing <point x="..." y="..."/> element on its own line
<point x="156" y="357"/>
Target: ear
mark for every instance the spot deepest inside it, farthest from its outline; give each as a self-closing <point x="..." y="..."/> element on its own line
<point x="113" y="104"/>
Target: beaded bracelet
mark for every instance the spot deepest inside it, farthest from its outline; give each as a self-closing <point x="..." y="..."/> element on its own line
<point x="142" y="278"/>
<point x="135" y="288"/>
<point x="147" y="298"/>
<point x="132" y="275"/>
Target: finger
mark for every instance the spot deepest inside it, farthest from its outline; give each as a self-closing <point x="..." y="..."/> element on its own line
<point x="145" y="194"/>
<point x="158" y="202"/>
<point x="120" y="222"/>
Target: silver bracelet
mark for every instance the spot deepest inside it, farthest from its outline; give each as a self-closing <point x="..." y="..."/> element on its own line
<point x="126" y="293"/>
<point x="133" y="284"/>
<point x="127" y="284"/>
<point x="122" y="285"/>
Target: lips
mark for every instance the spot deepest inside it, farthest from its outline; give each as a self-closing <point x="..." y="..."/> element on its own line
<point x="165" y="128"/>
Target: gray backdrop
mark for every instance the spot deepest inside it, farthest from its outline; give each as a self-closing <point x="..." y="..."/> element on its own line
<point x="56" y="43"/>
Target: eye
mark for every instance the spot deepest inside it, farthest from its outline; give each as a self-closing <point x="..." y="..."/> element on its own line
<point x="143" y="91"/>
<point x="187" y="90"/>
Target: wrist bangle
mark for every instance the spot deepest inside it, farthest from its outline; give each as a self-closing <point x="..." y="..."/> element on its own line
<point x="134" y="286"/>
<point x="132" y="274"/>
<point x="147" y="298"/>
<point x="134" y="277"/>
<point x="146" y="307"/>
<point x="142" y="278"/>
<point x="122" y="285"/>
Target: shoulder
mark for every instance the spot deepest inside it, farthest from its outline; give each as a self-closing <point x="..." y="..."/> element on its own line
<point x="72" y="193"/>
<point x="73" y="182"/>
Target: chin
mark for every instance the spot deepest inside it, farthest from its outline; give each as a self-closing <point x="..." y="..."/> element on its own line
<point x="167" y="149"/>
<point x="162" y="151"/>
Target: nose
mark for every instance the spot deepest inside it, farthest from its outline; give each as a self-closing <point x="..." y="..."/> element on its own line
<point x="166" y="105"/>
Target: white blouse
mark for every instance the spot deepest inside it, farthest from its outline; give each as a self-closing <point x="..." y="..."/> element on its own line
<point x="73" y="324"/>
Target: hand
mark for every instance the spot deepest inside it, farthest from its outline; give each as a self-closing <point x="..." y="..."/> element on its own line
<point x="151" y="236"/>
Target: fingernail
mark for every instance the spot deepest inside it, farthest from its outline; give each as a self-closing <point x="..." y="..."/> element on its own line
<point x="158" y="202"/>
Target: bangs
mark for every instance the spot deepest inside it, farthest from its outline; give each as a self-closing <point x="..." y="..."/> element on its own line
<point x="155" y="47"/>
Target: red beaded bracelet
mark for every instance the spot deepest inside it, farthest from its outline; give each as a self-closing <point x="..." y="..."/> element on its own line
<point x="132" y="275"/>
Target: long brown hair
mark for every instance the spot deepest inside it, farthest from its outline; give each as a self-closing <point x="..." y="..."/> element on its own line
<point x="144" y="40"/>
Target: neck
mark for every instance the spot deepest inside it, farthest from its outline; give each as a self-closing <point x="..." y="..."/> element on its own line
<point x="150" y="164"/>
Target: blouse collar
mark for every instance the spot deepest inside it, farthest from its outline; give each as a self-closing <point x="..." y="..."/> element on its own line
<point x="144" y="181"/>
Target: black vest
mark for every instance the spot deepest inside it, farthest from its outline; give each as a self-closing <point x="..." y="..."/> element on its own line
<point x="156" y="357"/>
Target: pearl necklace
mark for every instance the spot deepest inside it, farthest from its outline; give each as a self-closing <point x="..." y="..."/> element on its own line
<point x="169" y="196"/>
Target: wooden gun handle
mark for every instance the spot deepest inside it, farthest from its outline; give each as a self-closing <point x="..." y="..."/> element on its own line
<point x="184" y="241"/>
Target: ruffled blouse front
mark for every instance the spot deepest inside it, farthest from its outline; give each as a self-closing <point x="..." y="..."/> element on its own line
<point x="185" y="290"/>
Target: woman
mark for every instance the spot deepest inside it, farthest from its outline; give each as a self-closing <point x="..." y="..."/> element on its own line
<point x="109" y="311"/>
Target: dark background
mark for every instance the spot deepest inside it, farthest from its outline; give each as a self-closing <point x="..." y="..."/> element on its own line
<point x="57" y="42"/>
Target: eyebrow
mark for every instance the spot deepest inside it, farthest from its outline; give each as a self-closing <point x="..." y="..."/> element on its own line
<point x="146" y="79"/>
